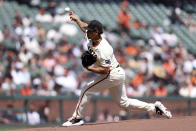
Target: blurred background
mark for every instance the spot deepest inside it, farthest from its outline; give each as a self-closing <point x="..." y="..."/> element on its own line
<point x="41" y="75"/>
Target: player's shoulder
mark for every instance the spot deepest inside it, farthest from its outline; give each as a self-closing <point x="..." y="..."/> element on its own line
<point x="104" y="42"/>
<point x="105" y="47"/>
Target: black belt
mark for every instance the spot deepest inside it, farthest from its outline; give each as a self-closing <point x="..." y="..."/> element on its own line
<point x="117" y="66"/>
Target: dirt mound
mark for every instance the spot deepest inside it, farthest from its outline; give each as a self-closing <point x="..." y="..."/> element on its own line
<point x="174" y="124"/>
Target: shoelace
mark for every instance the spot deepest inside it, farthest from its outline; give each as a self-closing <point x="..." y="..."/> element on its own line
<point x="73" y="120"/>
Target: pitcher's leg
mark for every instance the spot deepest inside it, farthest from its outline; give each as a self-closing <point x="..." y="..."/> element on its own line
<point x="137" y="104"/>
<point x="96" y="85"/>
<point x="83" y="101"/>
<point x="119" y="95"/>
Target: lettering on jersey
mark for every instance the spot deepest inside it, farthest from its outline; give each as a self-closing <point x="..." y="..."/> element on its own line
<point x="108" y="62"/>
<point x="91" y="51"/>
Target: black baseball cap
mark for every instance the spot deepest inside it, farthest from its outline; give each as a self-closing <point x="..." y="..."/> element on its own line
<point x="95" y="24"/>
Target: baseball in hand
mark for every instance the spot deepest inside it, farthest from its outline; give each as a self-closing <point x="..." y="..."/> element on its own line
<point x="67" y="9"/>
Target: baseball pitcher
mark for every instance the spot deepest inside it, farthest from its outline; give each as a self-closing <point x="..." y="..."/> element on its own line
<point x="111" y="75"/>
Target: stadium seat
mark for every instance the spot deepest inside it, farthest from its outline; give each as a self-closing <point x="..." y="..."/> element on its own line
<point x="107" y="11"/>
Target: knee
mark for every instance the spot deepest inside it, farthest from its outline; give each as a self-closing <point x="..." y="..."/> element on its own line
<point x="124" y="103"/>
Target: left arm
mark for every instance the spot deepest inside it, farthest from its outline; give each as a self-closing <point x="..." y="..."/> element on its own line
<point x="99" y="70"/>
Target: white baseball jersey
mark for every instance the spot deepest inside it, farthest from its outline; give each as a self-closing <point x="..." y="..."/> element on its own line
<point x="104" y="53"/>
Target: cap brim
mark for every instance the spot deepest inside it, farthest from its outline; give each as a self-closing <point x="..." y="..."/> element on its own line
<point x="87" y="28"/>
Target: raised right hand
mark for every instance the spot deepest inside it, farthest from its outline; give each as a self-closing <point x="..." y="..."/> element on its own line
<point x="72" y="15"/>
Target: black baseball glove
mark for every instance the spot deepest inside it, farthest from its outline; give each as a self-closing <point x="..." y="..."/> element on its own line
<point x="88" y="59"/>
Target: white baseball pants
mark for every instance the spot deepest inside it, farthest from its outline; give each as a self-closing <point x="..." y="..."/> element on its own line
<point x="115" y="82"/>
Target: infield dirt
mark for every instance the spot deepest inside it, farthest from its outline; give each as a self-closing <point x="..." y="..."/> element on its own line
<point x="159" y="124"/>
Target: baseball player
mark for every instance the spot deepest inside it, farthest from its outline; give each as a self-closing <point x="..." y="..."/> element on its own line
<point x="111" y="76"/>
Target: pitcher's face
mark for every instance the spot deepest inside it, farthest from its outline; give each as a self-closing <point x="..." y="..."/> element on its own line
<point x="92" y="34"/>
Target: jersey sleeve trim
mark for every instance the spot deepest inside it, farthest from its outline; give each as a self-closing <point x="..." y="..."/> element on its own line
<point x="106" y="66"/>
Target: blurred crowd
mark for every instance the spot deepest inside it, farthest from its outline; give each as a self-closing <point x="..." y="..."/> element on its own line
<point x="41" y="114"/>
<point x="34" y="116"/>
<point x="44" y="62"/>
<point x="160" y="66"/>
